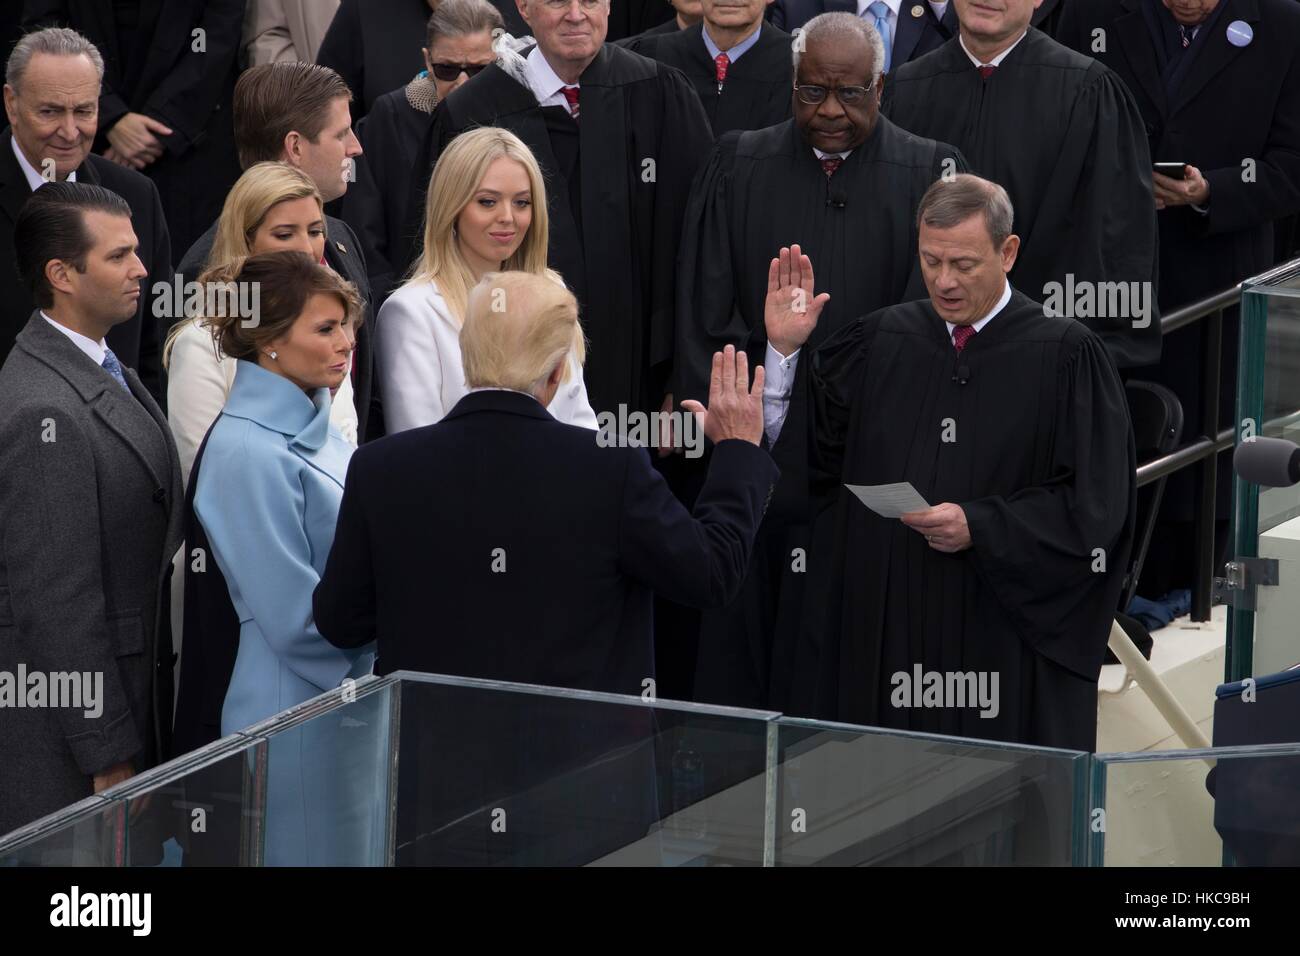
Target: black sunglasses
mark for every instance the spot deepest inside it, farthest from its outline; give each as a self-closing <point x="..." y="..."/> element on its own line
<point x="451" y="71"/>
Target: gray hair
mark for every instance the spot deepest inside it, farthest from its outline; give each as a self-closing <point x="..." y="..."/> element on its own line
<point x="458" y="18"/>
<point x="834" y="26"/>
<point x="949" y="202"/>
<point x="57" y="41"/>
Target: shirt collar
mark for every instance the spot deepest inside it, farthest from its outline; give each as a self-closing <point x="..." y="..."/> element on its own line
<point x="34" y="179"/>
<point x="997" y="60"/>
<point x="821" y="155"/>
<point x="94" y="350"/>
<point x="542" y="79"/>
<point x="998" y="307"/>
<point x="737" y="51"/>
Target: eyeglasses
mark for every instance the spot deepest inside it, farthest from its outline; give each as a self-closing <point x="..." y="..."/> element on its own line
<point x="847" y="95"/>
<point x="588" y="6"/>
<point x="451" y="71"/>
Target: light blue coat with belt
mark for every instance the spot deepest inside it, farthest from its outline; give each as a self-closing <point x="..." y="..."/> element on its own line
<point x="268" y="495"/>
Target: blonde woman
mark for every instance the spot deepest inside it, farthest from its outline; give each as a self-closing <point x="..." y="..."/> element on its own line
<point x="272" y="208"/>
<point x="485" y="212"/>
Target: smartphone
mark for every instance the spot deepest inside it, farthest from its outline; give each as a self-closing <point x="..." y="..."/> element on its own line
<point x="1175" y="170"/>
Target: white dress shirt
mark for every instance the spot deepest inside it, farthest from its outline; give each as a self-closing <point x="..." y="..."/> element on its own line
<point x="199" y="382"/>
<point x="94" y="350"/>
<point x="545" y="85"/>
<point x="997" y="60"/>
<point x="778" y="372"/>
<point x="420" y="373"/>
<point x="34" y="177"/>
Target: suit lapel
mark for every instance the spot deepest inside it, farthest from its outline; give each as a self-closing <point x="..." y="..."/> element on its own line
<point x="1216" y="54"/>
<point x="1139" y="49"/>
<point x="14" y="188"/>
<point x="175" y="492"/>
<point x="909" y="32"/>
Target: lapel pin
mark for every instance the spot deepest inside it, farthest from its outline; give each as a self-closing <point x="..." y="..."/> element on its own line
<point x="342" y="248"/>
<point x="1240" y="33"/>
<point x="918" y="11"/>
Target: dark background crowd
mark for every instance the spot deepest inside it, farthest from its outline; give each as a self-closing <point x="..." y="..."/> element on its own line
<point x="919" y="177"/>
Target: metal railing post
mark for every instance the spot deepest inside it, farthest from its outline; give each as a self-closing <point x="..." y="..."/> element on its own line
<point x="1207" y="471"/>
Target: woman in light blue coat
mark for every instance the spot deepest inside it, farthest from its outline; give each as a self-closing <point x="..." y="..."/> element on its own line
<point x="269" y="484"/>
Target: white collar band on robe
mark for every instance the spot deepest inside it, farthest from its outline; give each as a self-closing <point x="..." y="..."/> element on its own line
<point x="998" y="307"/>
<point x="997" y="60"/>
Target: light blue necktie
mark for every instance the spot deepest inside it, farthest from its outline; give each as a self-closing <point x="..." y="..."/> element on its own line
<point x="114" y="368"/>
<point x="880" y="11"/>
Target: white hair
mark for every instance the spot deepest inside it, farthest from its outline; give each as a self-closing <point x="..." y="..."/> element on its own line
<point x="833" y="26"/>
<point x="57" y="41"/>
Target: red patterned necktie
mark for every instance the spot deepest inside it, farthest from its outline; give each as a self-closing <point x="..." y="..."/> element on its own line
<point x="721" y="62"/>
<point x="986" y="70"/>
<point x="571" y="94"/>
<point x="830" y="164"/>
<point x="1182" y="33"/>
<point x="961" y="335"/>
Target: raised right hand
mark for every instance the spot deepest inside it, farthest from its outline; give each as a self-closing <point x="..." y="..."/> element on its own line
<point x="735" y="410"/>
<point x="791" y="309"/>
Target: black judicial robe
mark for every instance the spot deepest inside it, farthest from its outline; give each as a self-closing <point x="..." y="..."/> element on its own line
<point x="616" y="189"/>
<point x="759" y="191"/>
<point x="757" y="91"/>
<point x="1063" y="135"/>
<point x="375" y="205"/>
<point x="1039" y="454"/>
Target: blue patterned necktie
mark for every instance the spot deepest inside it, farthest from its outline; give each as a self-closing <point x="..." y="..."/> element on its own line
<point x="880" y="11"/>
<point x="114" y="368"/>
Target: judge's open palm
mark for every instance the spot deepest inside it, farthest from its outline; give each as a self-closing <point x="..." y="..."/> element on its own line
<point x="735" y="410"/>
<point x="791" y="309"/>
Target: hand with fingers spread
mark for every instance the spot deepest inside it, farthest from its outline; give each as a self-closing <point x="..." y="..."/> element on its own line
<point x="735" y="410"/>
<point x="944" y="527"/>
<point x="791" y="309"/>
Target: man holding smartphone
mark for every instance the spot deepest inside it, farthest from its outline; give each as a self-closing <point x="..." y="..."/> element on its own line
<point x="1218" y="84"/>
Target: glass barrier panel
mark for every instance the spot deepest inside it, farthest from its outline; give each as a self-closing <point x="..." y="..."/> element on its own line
<point x="493" y="774"/>
<point x="89" y="833"/>
<point x="858" y="796"/>
<point x="1221" y="807"/>
<point x="1266" y="521"/>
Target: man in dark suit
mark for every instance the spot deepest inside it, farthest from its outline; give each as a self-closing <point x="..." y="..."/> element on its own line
<point x="552" y="580"/>
<point x="502" y="544"/>
<point x="914" y="29"/>
<point x="910" y="29"/>
<point x="297" y="113"/>
<point x="89" y="516"/>
<point x="1218" y="85"/>
<point x="51" y="96"/>
<point x="165" y="106"/>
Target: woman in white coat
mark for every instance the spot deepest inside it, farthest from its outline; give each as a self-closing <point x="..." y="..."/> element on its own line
<point x="272" y="208"/>
<point x="485" y="212"/>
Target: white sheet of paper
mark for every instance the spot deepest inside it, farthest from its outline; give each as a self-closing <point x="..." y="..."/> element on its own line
<point x="890" y="501"/>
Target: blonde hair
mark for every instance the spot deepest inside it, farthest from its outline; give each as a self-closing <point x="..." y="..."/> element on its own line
<point x="518" y="327"/>
<point x="260" y="189"/>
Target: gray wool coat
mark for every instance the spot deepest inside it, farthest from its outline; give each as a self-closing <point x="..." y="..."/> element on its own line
<point x="90" y="517"/>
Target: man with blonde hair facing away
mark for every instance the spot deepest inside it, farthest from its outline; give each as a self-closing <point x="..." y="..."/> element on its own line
<point x="500" y="543"/>
<point x="551" y="581"/>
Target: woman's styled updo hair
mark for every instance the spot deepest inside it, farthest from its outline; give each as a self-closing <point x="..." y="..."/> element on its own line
<point x="250" y="302"/>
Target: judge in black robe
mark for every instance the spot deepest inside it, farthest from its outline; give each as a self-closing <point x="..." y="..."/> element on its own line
<point x="1061" y="133"/>
<point x="759" y="191"/>
<point x="756" y="91"/>
<point x="616" y="186"/>
<point x="1020" y="440"/>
